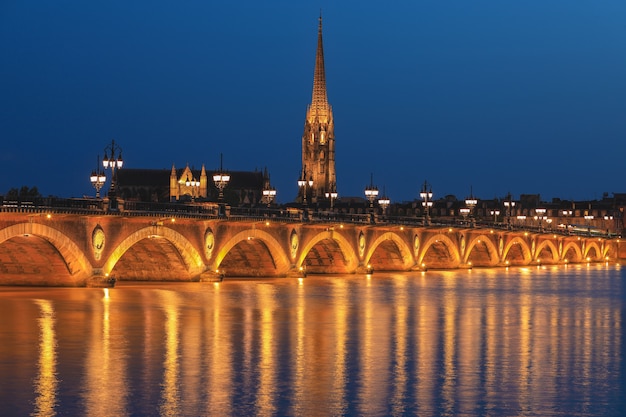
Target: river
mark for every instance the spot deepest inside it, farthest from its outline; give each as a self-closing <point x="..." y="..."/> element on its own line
<point x="540" y="341"/>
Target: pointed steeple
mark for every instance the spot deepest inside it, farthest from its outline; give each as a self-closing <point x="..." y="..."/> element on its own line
<point x="318" y="139"/>
<point x="319" y="103"/>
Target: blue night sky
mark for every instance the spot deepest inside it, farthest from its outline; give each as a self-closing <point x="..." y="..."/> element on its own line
<point x="526" y="97"/>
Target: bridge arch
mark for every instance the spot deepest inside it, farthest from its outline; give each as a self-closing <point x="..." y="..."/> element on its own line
<point x="403" y="248"/>
<point x="597" y="251"/>
<point x="435" y="242"/>
<point x="75" y="260"/>
<point x="191" y="257"/>
<point x="553" y="250"/>
<point x="276" y="251"/>
<point x="492" y="250"/>
<point x="517" y="241"/>
<point x="348" y="251"/>
<point x="572" y="247"/>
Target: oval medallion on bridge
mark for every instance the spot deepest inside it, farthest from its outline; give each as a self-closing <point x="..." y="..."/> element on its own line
<point x="361" y="244"/>
<point x="293" y="243"/>
<point x="97" y="242"/>
<point x="416" y="245"/>
<point x="209" y="243"/>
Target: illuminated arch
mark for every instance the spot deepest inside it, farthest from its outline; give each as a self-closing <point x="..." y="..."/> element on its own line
<point x="553" y="249"/>
<point x="523" y="245"/>
<point x="77" y="263"/>
<point x="491" y="248"/>
<point x="277" y="252"/>
<point x="453" y="250"/>
<point x="588" y="246"/>
<point x="403" y="247"/>
<point x="349" y="253"/>
<point x="191" y="257"/>
<point x="576" y="247"/>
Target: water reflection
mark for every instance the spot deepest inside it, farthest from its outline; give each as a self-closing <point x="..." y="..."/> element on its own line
<point x="527" y="341"/>
<point x="46" y="383"/>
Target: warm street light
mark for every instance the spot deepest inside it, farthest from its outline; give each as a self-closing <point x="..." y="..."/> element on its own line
<point x="495" y="214"/>
<point x="269" y="194"/>
<point x="332" y="194"/>
<point x="221" y="180"/>
<point x="427" y="196"/>
<point x="97" y="178"/>
<point x="471" y="202"/>
<point x="540" y="217"/>
<point x="384" y="201"/>
<point x="371" y="191"/>
<point x="194" y="184"/>
<point x="509" y="204"/>
<point x="303" y="183"/>
<point x="113" y="162"/>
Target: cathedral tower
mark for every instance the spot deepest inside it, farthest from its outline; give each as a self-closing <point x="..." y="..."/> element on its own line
<point x="318" y="140"/>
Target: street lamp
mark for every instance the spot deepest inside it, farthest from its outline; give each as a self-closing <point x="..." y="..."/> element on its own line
<point x="269" y="194"/>
<point x="371" y="191"/>
<point x="194" y="184"/>
<point x="332" y="194"/>
<point x="114" y="162"/>
<point x="426" y="195"/>
<point x="495" y="214"/>
<point x="221" y="179"/>
<point x="303" y="183"/>
<point x="540" y="216"/>
<point x="97" y="178"/>
<point x="509" y="204"/>
<point x="384" y="202"/>
<point x="471" y="202"/>
<point x="464" y="212"/>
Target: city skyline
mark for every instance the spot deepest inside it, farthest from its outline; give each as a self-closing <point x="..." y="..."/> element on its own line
<point x="526" y="98"/>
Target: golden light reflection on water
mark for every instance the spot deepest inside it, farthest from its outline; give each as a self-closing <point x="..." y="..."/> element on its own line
<point x="105" y="379"/>
<point x="460" y="343"/>
<point x="46" y="383"/>
<point x="170" y="393"/>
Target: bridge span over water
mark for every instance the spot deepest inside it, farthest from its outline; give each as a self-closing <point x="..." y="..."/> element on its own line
<point x="44" y="246"/>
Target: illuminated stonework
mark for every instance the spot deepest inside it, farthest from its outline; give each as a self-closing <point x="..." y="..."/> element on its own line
<point x="318" y="140"/>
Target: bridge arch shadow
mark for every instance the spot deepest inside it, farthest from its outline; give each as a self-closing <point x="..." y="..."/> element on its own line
<point x="252" y="253"/>
<point x="481" y="251"/>
<point x="163" y="254"/>
<point x="547" y="252"/>
<point x="328" y="253"/>
<point x="389" y="252"/>
<point x="439" y="251"/>
<point x="516" y="252"/>
<point x="39" y="247"/>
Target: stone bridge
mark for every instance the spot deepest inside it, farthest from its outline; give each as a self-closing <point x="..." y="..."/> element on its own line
<point x="75" y="249"/>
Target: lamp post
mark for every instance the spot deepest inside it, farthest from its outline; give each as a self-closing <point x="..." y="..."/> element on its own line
<point x="114" y="162"/>
<point x="269" y="194"/>
<point x="194" y="184"/>
<point x="495" y="213"/>
<point x="303" y="183"/>
<point x="384" y="202"/>
<point x="464" y="212"/>
<point x="221" y="179"/>
<point x="509" y="205"/>
<point x="371" y="191"/>
<point x="540" y="212"/>
<point x="426" y="195"/>
<point x="471" y="202"/>
<point x="97" y="178"/>
<point x="332" y="194"/>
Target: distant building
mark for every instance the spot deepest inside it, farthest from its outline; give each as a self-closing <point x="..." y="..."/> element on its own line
<point x="245" y="188"/>
<point x="318" y="139"/>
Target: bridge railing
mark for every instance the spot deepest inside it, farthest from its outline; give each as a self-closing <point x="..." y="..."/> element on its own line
<point x="92" y="206"/>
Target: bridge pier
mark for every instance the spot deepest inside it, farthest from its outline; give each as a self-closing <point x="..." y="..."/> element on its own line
<point x="211" y="276"/>
<point x="100" y="280"/>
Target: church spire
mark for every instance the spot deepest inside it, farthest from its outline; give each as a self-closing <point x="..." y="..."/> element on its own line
<point x="318" y="139"/>
<point x="319" y="102"/>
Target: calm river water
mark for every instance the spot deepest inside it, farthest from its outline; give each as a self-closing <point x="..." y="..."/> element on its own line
<point x="519" y="342"/>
